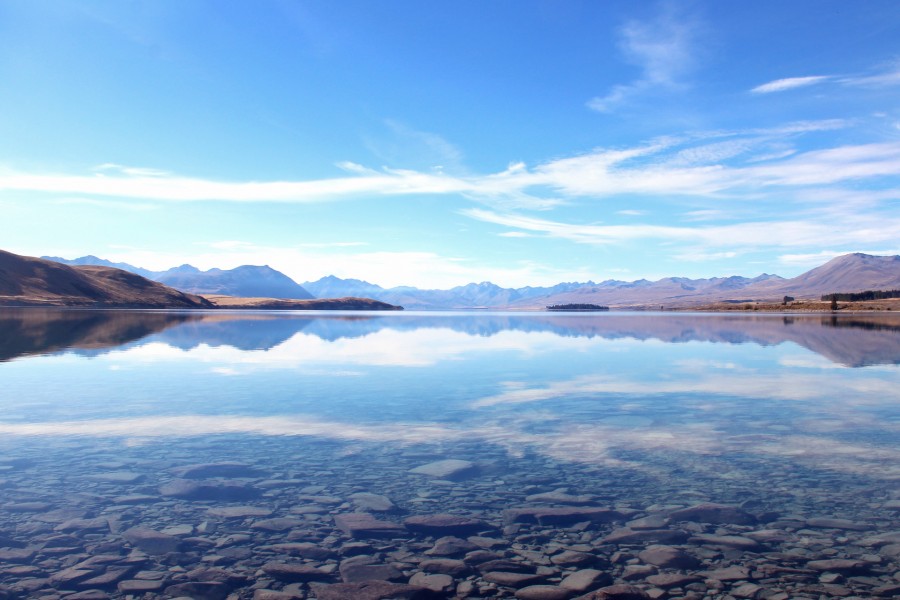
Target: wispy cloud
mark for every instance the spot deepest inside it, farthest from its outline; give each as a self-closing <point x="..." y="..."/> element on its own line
<point x="662" y="49"/>
<point x="700" y="165"/>
<point x="790" y="83"/>
<point x="770" y="234"/>
<point x="814" y="259"/>
<point x="404" y="145"/>
<point x="885" y="76"/>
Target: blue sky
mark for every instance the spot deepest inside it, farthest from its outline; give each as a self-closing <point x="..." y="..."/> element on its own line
<point x="439" y="143"/>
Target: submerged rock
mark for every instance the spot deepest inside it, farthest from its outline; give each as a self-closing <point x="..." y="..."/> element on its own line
<point x="450" y="468"/>
<point x="364" y="525"/>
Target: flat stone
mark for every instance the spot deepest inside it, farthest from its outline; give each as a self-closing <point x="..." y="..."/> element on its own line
<point x="668" y="557"/>
<point x="585" y="580"/>
<point x="365" y="568"/>
<point x="16" y="555"/>
<point x="651" y="522"/>
<point x="109" y="578"/>
<point x="559" y="496"/>
<point x="278" y="524"/>
<point x="89" y="595"/>
<point x="151" y="541"/>
<point x="734" y="573"/>
<point x="26" y="506"/>
<point x="515" y="580"/>
<point x="445" y="566"/>
<point x="136" y="499"/>
<point x="276" y="595"/>
<point x="303" y="550"/>
<point x="220" y="469"/>
<point x="84" y="525"/>
<point x="638" y="572"/>
<point x="669" y="580"/>
<point x="840" y="565"/>
<point x="179" y="530"/>
<point x="728" y="541"/>
<point x="199" y="590"/>
<point x="572" y="558"/>
<point x="71" y="575"/>
<point x="366" y="501"/>
<point x="505" y="564"/>
<point x="231" y="578"/>
<point x="437" y="583"/>
<point x="545" y="515"/>
<point x="294" y="572"/>
<point x="882" y="539"/>
<point x="617" y="592"/>
<point x="543" y="592"/>
<point x="709" y="512"/>
<point x="450" y="468"/>
<point x="837" y="524"/>
<point x="626" y="535"/>
<point x="223" y="491"/>
<point x="139" y="586"/>
<point x="443" y="524"/>
<point x="123" y="477"/>
<point x="364" y="525"/>
<point x="238" y="512"/>
<point x="371" y="590"/>
<point x="745" y="590"/>
<point x="450" y="546"/>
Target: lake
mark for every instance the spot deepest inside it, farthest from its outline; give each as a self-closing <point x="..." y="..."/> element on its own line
<point x="441" y="455"/>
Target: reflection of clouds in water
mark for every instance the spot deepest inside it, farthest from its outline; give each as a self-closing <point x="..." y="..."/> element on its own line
<point x="783" y="386"/>
<point x="808" y="362"/>
<point x="387" y="347"/>
<point x="597" y="444"/>
<point x="198" y="425"/>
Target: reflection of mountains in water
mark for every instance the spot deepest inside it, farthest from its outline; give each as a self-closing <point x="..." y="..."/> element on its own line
<point x="29" y="331"/>
<point x="852" y="340"/>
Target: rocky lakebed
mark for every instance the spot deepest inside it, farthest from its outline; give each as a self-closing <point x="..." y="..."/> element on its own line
<point x="246" y="517"/>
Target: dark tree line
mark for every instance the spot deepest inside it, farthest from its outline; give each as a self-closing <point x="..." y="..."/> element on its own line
<point x="859" y="296"/>
<point x="577" y="307"/>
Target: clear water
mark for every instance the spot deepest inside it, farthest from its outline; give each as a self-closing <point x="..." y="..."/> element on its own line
<point x="793" y="420"/>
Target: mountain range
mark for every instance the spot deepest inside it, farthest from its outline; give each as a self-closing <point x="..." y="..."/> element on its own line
<point x="247" y="281"/>
<point x="848" y="273"/>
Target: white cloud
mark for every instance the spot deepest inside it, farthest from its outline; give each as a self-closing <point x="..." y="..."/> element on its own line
<point x="789" y="83"/>
<point x="768" y="234"/>
<point x="663" y="167"/>
<point x="631" y="212"/>
<point x="888" y="75"/>
<point x="815" y="259"/>
<point x="704" y="256"/>
<point x="661" y="49"/>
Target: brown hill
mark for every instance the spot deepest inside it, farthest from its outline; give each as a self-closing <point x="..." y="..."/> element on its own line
<point x="28" y="281"/>
<point x="848" y="273"/>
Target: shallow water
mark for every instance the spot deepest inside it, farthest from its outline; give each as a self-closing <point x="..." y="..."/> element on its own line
<point x="599" y="427"/>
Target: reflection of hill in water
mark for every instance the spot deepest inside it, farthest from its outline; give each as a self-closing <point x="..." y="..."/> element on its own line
<point x="851" y="340"/>
<point x="29" y="331"/>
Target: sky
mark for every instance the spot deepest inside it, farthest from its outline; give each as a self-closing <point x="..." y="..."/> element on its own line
<point x="439" y="143"/>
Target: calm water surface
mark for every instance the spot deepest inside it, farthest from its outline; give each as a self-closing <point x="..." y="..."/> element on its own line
<point x="238" y="443"/>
